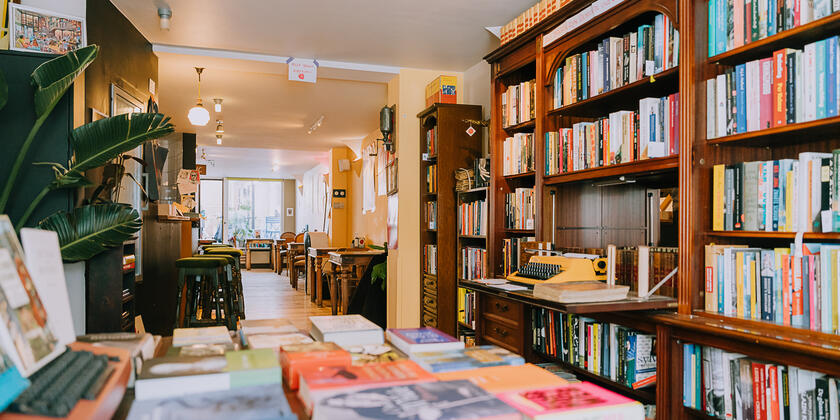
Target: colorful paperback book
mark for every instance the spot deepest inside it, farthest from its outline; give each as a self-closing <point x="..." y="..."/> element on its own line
<point x="574" y="401"/>
<point x="468" y="358"/>
<point x="447" y="400"/>
<point x="250" y="403"/>
<point x="296" y="356"/>
<point x="374" y="353"/>
<point x="169" y="376"/>
<point x="275" y="341"/>
<point x="204" y="335"/>
<point x="253" y="368"/>
<point x="426" y="339"/>
<point x="498" y="379"/>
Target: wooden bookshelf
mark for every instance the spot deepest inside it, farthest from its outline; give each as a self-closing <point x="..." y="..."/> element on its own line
<point x="821" y="236"/>
<point x="525" y="127"/>
<point x="472" y="241"/>
<point x="807" y="131"/>
<point x="454" y="149"/>
<point x="644" y="167"/>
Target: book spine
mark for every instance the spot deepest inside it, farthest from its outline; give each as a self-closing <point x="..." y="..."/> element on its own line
<point x="779" y="88"/>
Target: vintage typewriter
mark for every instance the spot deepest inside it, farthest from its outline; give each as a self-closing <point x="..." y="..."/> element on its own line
<point x="561" y="268"/>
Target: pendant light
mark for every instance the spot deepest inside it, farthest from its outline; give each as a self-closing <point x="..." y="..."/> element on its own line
<point x="220" y="128"/>
<point x="218" y="106"/>
<point x="218" y="139"/>
<point x="198" y="115"/>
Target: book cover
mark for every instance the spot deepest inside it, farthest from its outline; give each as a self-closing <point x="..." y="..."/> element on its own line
<point x="266" y="326"/>
<point x="203" y="335"/>
<point x="172" y="376"/>
<point x="581" y="400"/>
<point x="498" y="379"/>
<point x="468" y="358"/>
<point x="276" y="341"/>
<point x="766" y="97"/>
<point x="296" y="356"/>
<point x="745" y="386"/>
<point x="345" y="329"/>
<point x="249" y="403"/>
<point x="779" y="88"/>
<point x="253" y="368"/>
<point x="411" y="340"/>
<point x="446" y="400"/>
<point x="820" y="65"/>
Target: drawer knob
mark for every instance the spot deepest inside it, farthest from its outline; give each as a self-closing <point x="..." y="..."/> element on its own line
<point x="500" y="331"/>
<point x="501" y="308"/>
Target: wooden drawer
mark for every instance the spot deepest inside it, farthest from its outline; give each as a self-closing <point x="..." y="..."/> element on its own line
<point x="501" y="309"/>
<point x="502" y="335"/>
<point x="430" y="303"/>
<point x="429" y="283"/>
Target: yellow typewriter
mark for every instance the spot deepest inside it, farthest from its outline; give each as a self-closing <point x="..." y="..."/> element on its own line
<point x="561" y="269"/>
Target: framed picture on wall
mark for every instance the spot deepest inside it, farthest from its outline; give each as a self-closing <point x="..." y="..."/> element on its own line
<point x="391" y="175"/>
<point x="37" y="30"/>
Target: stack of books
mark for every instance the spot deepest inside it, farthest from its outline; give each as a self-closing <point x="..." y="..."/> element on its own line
<point x="733" y="24"/>
<point x="520" y="209"/>
<point x="518" y="154"/>
<point x="651" y="131"/>
<point x="791" y="86"/>
<point x="431" y="215"/>
<point x="783" y="285"/>
<point x="472" y="218"/>
<point x="624" y="355"/>
<point x="512" y="251"/>
<point x="618" y="61"/>
<point x="786" y="195"/>
<point x="431" y="179"/>
<point x="728" y="385"/>
<point x="518" y="103"/>
<point x="466" y="307"/>
<point x="529" y="18"/>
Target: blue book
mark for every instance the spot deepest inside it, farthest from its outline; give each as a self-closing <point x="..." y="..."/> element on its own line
<point x="688" y="389"/>
<point x="698" y="377"/>
<point x="820" y="64"/>
<point x="831" y="76"/>
<point x="720" y="26"/>
<point x="444" y="400"/>
<point x="469" y="358"/>
<point x="584" y="84"/>
<point x="741" y="98"/>
<point x="11" y="382"/>
<point x="712" y="30"/>
<point x="547" y="148"/>
<point x="658" y="42"/>
<point x="777" y="189"/>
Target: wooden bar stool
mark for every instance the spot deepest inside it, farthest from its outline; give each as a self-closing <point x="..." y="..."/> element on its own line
<point x="199" y="288"/>
<point x="236" y="277"/>
<point x="228" y="287"/>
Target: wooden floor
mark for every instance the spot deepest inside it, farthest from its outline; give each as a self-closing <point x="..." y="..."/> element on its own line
<point x="268" y="295"/>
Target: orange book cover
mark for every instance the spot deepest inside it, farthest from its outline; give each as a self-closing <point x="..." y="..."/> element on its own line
<point x="498" y="379"/>
<point x="779" y="88"/>
<point x="295" y="357"/>
<point x="317" y="382"/>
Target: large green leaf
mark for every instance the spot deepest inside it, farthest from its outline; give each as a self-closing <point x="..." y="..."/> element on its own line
<point x="99" y="142"/>
<point x="4" y="90"/>
<point x="54" y="77"/>
<point x="92" y="229"/>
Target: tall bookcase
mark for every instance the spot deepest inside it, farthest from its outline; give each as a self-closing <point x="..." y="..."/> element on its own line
<point x="445" y="147"/>
<point x="596" y="206"/>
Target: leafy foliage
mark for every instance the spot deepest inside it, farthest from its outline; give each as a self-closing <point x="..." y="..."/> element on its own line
<point x="91" y="229"/>
<point x="53" y="78"/>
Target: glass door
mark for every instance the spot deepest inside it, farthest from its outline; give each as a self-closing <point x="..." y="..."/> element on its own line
<point x="253" y="209"/>
<point x="211" y="208"/>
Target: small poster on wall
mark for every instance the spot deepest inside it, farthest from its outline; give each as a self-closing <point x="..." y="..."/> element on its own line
<point x="37" y="30"/>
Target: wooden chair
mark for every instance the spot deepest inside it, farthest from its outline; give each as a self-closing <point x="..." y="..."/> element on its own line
<point x="317" y="240"/>
<point x="281" y="250"/>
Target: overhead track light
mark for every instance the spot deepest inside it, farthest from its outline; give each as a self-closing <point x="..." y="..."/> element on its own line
<point x="220" y="129"/>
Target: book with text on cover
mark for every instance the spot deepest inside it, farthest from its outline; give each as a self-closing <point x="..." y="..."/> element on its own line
<point x="447" y="400"/>
<point x="411" y="340"/>
<point x="469" y="358"/>
<point x="498" y="379"/>
<point x="296" y="356"/>
<point x="319" y="382"/>
<point x="574" y="401"/>
<point x="204" y="335"/>
<point x="345" y="330"/>
<point x="250" y="403"/>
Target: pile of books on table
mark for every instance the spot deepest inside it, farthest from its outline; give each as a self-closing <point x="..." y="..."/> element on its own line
<point x="349" y="368"/>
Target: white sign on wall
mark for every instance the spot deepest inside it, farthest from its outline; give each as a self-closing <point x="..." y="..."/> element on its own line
<point x="303" y="70"/>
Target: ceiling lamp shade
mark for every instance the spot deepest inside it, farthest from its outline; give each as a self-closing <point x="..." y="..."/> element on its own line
<point x="218" y="139"/>
<point x="220" y="129"/>
<point x="218" y="106"/>
<point x="198" y="115"/>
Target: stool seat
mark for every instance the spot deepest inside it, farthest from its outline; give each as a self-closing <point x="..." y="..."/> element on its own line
<point x="200" y="262"/>
<point x="228" y="258"/>
<point x="224" y="251"/>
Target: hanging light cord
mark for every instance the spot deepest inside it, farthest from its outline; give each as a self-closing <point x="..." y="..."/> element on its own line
<point x="199" y="70"/>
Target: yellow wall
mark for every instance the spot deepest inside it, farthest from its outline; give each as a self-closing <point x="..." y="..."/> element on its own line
<point x="340" y="220"/>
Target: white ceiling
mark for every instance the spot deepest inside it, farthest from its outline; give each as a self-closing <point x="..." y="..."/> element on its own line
<point x="257" y="163"/>
<point x="431" y="34"/>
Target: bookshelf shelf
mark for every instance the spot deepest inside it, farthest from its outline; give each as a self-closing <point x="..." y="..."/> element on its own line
<point x="825" y="236"/>
<point x="474" y="191"/>
<point x="645" y="395"/>
<point x="809" y="32"/>
<point x="805" y="132"/>
<point x="467" y="326"/>
<point x="472" y="236"/>
<point x="523" y="175"/>
<point x="519" y="231"/>
<point x="697" y="414"/>
<point x="527" y="126"/>
<point x="642" y="167"/>
<point x="625" y="96"/>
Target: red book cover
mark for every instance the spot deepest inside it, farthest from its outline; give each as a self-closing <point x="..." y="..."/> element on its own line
<point x="748" y="21"/>
<point x="779" y="88"/>
<point x="573" y="401"/>
<point x="773" y="389"/>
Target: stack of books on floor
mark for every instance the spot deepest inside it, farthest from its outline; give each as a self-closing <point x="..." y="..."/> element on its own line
<point x="355" y="370"/>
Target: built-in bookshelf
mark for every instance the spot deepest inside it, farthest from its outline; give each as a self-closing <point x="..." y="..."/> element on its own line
<point x="445" y="147"/>
<point x="472" y="216"/>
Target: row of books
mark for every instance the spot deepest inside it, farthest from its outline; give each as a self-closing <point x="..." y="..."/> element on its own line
<point x="512" y="251"/>
<point x="728" y="385"/>
<point x="430" y="259"/>
<point x="529" y="18"/>
<point x="431" y="215"/>
<point x="518" y="154"/>
<point x="782" y="285"/>
<point x="466" y="307"/>
<point x="660" y="262"/>
<point x="520" y="209"/>
<point x="472" y="218"/>
<point x="786" y="195"/>
<point x="623" y="136"/>
<point x="473" y="263"/>
<point x="792" y="86"/>
<point x="431" y="141"/>
<point x="519" y="103"/>
<point x="735" y="23"/>
<point x="619" y="353"/>
<point x="617" y="61"/>
<point x="431" y="179"/>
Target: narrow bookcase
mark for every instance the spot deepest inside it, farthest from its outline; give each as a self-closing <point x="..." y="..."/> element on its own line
<point x="445" y="147"/>
<point x="471" y="215"/>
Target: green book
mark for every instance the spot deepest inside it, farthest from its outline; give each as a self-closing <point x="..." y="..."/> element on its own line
<point x="253" y="367"/>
